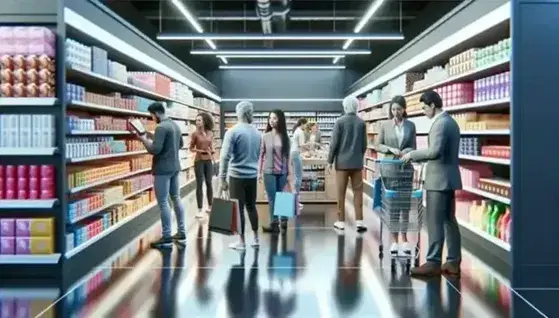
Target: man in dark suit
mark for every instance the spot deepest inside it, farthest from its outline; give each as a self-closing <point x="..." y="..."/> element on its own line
<point x="442" y="178"/>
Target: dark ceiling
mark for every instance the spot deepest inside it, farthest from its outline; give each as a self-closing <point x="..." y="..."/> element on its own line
<point x="407" y="17"/>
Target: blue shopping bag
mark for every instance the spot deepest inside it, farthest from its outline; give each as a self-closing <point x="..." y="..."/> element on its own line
<point x="284" y="265"/>
<point x="377" y="193"/>
<point x="284" y="204"/>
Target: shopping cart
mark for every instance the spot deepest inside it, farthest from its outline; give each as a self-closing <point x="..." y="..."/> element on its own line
<point x="397" y="199"/>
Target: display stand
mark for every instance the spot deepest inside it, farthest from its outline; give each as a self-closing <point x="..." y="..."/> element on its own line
<point x="473" y="78"/>
<point x="102" y="189"/>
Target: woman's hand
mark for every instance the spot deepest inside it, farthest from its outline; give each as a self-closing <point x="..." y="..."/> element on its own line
<point x="395" y="151"/>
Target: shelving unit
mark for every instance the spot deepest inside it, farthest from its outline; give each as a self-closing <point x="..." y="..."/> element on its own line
<point x="474" y="83"/>
<point x="88" y="184"/>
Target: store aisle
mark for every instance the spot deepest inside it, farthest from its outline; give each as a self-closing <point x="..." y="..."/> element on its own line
<point x="311" y="271"/>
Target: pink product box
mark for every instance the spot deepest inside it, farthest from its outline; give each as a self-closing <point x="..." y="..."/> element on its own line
<point x="7" y="227"/>
<point x="7" y="245"/>
<point x="27" y="41"/>
<point x="7" y="308"/>
<point x="23" y="245"/>
<point x="23" y="227"/>
<point x="472" y="173"/>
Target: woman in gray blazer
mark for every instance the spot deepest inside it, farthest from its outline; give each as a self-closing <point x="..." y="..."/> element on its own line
<point x="397" y="137"/>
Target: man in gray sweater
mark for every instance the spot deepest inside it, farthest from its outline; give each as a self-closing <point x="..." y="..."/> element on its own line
<point x="347" y="151"/>
<point x="164" y="146"/>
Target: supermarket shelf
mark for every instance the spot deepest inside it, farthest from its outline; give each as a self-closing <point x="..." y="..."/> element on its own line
<point x="487" y="195"/>
<point x="41" y="151"/>
<point x="108" y="205"/>
<point x="111" y="155"/>
<point x="486" y="132"/>
<point x="499" y="161"/>
<point x="495" y="241"/>
<point x="30" y="259"/>
<point x="99" y="132"/>
<point x="29" y="293"/>
<point x="27" y="204"/>
<point x="111" y="229"/>
<point x="28" y="101"/>
<point x="108" y="180"/>
<point x="120" y="86"/>
<point x="107" y="109"/>
<point x="472" y="75"/>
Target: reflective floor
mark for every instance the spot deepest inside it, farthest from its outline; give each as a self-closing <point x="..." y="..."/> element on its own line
<point x="311" y="271"/>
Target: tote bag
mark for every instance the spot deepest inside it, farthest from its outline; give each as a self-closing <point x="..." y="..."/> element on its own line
<point x="285" y="204"/>
<point x="224" y="216"/>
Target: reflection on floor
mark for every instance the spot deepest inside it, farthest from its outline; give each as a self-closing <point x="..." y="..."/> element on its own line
<point x="310" y="271"/>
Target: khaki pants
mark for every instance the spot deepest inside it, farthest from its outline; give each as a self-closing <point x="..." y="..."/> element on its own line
<point x="342" y="179"/>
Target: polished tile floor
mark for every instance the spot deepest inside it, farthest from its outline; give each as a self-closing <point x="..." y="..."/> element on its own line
<point x="311" y="271"/>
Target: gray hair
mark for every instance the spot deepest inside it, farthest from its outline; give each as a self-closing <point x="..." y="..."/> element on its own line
<point x="350" y="104"/>
<point x="245" y="111"/>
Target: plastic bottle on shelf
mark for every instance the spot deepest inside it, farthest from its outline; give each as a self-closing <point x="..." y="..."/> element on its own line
<point x="486" y="216"/>
<point x="473" y="212"/>
<point x="479" y="214"/>
<point x="508" y="230"/>
<point x="498" y="211"/>
<point x="502" y="223"/>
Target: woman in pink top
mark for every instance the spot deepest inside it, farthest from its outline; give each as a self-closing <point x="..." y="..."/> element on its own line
<point x="274" y="163"/>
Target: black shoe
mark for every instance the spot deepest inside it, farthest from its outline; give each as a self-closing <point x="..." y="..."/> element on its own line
<point x="273" y="228"/>
<point x="162" y="243"/>
<point x="361" y="229"/>
<point x="180" y="238"/>
<point x="284" y="225"/>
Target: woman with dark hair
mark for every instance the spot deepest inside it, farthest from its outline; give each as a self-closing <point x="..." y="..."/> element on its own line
<point x="201" y="143"/>
<point x="298" y="145"/>
<point x="396" y="138"/>
<point x="274" y="163"/>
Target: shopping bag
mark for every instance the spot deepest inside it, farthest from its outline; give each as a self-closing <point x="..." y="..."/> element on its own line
<point x="284" y="265"/>
<point x="225" y="217"/>
<point x="284" y="204"/>
<point x="377" y="194"/>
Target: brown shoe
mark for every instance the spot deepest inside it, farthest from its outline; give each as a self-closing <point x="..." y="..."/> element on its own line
<point x="426" y="270"/>
<point x="451" y="268"/>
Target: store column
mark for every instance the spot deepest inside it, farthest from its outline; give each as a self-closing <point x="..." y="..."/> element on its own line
<point x="535" y="160"/>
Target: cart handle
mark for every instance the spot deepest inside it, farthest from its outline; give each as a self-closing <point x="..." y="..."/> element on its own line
<point x="393" y="161"/>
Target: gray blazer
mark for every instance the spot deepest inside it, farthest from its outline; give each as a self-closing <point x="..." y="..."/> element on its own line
<point x="349" y="143"/>
<point x="442" y="172"/>
<point x="387" y="137"/>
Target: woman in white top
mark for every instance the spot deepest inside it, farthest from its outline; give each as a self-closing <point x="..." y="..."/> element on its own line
<point x="298" y="145"/>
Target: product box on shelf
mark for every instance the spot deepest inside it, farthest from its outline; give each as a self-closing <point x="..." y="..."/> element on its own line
<point x="27" y="76"/>
<point x="27" y="40"/>
<point x="27" y="131"/>
<point x="23" y="236"/>
<point x="27" y="182"/>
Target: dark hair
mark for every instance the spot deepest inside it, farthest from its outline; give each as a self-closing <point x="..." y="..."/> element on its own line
<point x="156" y="108"/>
<point x="282" y="129"/>
<point x="207" y="120"/>
<point x="299" y="123"/>
<point x="400" y="101"/>
<point x="431" y="97"/>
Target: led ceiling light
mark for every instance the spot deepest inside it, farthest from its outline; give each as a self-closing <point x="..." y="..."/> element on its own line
<point x="280" y="37"/>
<point x="190" y="18"/>
<point x="256" y="56"/>
<point x="280" y="52"/>
<point x="375" y="5"/>
<point x="282" y="67"/>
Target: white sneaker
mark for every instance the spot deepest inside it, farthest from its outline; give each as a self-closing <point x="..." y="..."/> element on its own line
<point x="256" y="242"/>
<point x="239" y="246"/>
<point x="361" y="227"/>
<point x="406" y="248"/>
<point x="200" y="214"/>
<point x="394" y="249"/>
<point x="300" y="206"/>
<point x="339" y="225"/>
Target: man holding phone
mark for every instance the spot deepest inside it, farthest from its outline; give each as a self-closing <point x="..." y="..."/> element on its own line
<point x="164" y="145"/>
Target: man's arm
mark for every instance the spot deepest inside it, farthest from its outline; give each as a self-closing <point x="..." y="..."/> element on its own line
<point x="333" y="152"/>
<point x="156" y="146"/>
<point x="436" y="144"/>
<point x="226" y="150"/>
<point x="262" y="155"/>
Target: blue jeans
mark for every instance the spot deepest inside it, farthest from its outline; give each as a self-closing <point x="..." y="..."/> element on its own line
<point x="298" y="170"/>
<point x="274" y="183"/>
<point x="166" y="186"/>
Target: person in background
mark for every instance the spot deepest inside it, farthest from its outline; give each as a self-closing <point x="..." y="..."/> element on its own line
<point x="274" y="164"/>
<point x="298" y="145"/>
<point x="165" y="146"/>
<point x="315" y="138"/>
<point x="396" y="138"/>
<point x="442" y="178"/>
<point x="239" y="161"/>
<point x="347" y="151"/>
<point x="201" y="143"/>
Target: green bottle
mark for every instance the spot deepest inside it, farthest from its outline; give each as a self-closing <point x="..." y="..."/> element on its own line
<point x="487" y="216"/>
<point x="497" y="212"/>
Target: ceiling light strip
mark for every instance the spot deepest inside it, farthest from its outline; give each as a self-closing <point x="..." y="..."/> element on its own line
<point x="192" y="20"/>
<point x="280" y="37"/>
<point x="80" y="23"/>
<point x="280" y="52"/>
<point x="263" y="56"/>
<point x="287" y="100"/>
<point x="281" y="67"/>
<point x="475" y="28"/>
